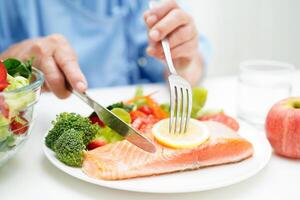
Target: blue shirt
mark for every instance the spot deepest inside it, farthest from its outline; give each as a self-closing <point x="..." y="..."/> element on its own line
<point x="109" y="36"/>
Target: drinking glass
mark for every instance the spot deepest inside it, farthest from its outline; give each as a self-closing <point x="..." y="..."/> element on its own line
<point x="261" y="83"/>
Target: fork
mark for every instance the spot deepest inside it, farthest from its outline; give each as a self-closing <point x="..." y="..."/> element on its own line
<point x="180" y="96"/>
<point x="180" y="92"/>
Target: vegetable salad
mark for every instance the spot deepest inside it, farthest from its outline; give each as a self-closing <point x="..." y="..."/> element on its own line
<point x="14" y="75"/>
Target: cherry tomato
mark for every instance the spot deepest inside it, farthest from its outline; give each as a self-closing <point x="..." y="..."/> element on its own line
<point x="95" y="120"/>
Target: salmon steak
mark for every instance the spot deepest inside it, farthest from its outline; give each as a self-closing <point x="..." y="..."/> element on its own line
<point x="122" y="160"/>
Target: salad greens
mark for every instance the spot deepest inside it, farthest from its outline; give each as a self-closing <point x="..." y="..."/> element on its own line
<point x="18" y="75"/>
<point x="16" y="82"/>
<point x="16" y="68"/>
<point x="107" y="134"/>
<point x="128" y="108"/>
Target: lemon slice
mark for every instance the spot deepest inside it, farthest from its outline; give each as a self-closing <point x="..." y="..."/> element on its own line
<point x="196" y="134"/>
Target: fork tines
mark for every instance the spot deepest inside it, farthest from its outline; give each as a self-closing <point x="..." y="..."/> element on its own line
<point x="180" y="104"/>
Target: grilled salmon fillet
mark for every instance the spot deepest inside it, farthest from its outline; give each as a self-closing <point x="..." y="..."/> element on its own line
<point x="122" y="160"/>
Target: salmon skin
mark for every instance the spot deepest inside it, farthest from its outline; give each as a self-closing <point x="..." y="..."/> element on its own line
<point x="122" y="160"/>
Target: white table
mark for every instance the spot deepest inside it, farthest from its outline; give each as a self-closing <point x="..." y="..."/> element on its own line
<point x="29" y="175"/>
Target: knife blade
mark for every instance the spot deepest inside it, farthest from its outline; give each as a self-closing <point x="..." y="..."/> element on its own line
<point x="117" y="124"/>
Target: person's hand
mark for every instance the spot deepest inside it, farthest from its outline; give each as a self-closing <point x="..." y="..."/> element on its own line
<point x="167" y="19"/>
<point x="54" y="56"/>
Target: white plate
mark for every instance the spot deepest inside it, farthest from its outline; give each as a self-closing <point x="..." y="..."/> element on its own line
<point x="189" y="181"/>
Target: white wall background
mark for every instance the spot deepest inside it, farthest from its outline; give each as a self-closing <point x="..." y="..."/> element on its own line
<point x="248" y="29"/>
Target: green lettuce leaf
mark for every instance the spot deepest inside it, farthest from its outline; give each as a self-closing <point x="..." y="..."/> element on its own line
<point x="16" y="82"/>
<point x="128" y="108"/>
<point x="15" y="67"/>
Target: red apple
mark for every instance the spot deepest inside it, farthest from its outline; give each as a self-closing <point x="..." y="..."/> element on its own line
<point x="283" y="127"/>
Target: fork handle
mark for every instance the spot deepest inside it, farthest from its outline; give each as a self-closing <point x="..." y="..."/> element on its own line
<point x="167" y="52"/>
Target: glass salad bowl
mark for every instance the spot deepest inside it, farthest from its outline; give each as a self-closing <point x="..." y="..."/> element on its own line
<point x="16" y="115"/>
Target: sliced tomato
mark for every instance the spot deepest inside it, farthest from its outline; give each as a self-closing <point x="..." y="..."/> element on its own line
<point x="222" y="118"/>
<point x="95" y="120"/>
<point x="136" y="114"/>
<point x="19" y="125"/>
<point x="4" y="107"/>
<point x="146" y="109"/>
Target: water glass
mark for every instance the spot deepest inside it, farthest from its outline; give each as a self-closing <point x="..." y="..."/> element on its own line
<point x="261" y="83"/>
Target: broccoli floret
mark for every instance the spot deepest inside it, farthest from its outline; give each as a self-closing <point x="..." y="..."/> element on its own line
<point x="66" y="121"/>
<point x="69" y="148"/>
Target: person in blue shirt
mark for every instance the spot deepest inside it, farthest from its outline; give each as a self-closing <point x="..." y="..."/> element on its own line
<point x="117" y="41"/>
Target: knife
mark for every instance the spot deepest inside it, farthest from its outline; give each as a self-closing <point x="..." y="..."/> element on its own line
<point x="117" y="124"/>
